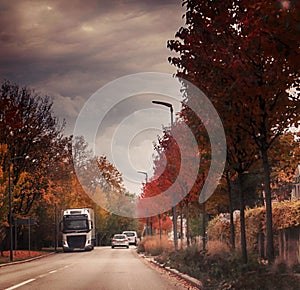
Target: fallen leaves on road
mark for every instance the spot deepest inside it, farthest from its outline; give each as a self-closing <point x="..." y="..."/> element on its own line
<point x="19" y="255"/>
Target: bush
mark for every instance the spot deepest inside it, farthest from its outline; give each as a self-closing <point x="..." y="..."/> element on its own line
<point x="141" y="248"/>
<point x="285" y="215"/>
<point x="218" y="268"/>
<point x="154" y="246"/>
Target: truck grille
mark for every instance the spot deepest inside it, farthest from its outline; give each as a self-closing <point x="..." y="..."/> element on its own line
<point x="76" y="241"/>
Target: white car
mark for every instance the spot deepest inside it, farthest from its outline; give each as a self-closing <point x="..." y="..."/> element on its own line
<point x="132" y="237"/>
<point x="119" y="240"/>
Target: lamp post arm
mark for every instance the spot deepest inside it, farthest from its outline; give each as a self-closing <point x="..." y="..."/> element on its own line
<point x="166" y="104"/>
<point x="146" y="174"/>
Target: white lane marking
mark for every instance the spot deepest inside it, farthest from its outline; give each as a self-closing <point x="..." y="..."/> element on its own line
<point x="30" y="280"/>
<point x="20" y="284"/>
<point x="52" y="271"/>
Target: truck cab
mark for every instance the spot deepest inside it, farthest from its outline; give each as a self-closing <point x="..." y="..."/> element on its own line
<point x="77" y="227"/>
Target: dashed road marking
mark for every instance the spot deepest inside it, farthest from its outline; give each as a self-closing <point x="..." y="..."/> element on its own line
<point x="33" y="279"/>
<point x="51" y="272"/>
<point x="20" y="284"/>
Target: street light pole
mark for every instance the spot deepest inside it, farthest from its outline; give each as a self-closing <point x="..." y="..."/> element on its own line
<point x="147" y="218"/>
<point x="11" y="257"/>
<point x="55" y="227"/>
<point x="169" y="105"/>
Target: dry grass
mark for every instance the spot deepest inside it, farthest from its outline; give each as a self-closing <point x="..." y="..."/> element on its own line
<point x="154" y="246"/>
<point x="217" y="248"/>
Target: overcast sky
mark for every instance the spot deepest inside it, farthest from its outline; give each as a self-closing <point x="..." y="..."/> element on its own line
<point x="70" y="49"/>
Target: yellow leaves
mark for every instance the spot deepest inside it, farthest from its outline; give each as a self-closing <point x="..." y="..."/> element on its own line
<point x="3" y="181"/>
<point x="3" y="152"/>
<point x="2" y="184"/>
<point x="110" y="176"/>
<point x="24" y="179"/>
<point x="219" y="229"/>
<point x="285" y="215"/>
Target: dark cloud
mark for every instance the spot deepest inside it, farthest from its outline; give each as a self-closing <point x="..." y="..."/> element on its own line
<point x="44" y="42"/>
<point x="69" y="49"/>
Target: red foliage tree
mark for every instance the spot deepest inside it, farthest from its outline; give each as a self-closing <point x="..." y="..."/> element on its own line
<point x="245" y="57"/>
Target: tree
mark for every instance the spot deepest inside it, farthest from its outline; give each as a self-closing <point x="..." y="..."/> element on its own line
<point x="176" y="167"/>
<point x="3" y="200"/>
<point x="284" y="159"/>
<point x="244" y="55"/>
<point x="33" y="136"/>
<point x="30" y="131"/>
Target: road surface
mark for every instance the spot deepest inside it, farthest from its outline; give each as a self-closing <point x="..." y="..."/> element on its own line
<point x="103" y="269"/>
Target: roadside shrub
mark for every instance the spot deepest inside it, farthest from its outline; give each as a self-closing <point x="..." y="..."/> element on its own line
<point x="188" y="261"/>
<point x="218" y="268"/>
<point x="140" y="247"/>
<point x="154" y="246"/>
<point x="285" y="215"/>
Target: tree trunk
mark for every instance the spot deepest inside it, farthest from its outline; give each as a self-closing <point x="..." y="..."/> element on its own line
<point x="151" y="227"/>
<point x="147" y="225"/>
<point x="174" y="214"/>
<point x="232" y="228"/>
<point x="261" y="245"/>
<point x="242" y="220"/>
<point x="203" y="227"/>
<point x="268" y="196"/>
<point x="181" y="226"/>
<point x="187" y="223"/>
<point x="159" y="223"/>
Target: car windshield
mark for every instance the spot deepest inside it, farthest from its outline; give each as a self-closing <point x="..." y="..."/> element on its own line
<point x="129" y="234"/>
<point x="119" y="237"/>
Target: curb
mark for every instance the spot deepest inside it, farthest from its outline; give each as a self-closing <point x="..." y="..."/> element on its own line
<point x="193" y="281"/>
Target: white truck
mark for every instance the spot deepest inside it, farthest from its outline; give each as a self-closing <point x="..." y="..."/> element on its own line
<point x="78" y="229"/>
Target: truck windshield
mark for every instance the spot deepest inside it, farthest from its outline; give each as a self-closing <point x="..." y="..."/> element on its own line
<point x="75" y="224"/>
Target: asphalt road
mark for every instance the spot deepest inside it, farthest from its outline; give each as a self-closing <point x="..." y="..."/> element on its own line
<point x="103" y="268"/>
